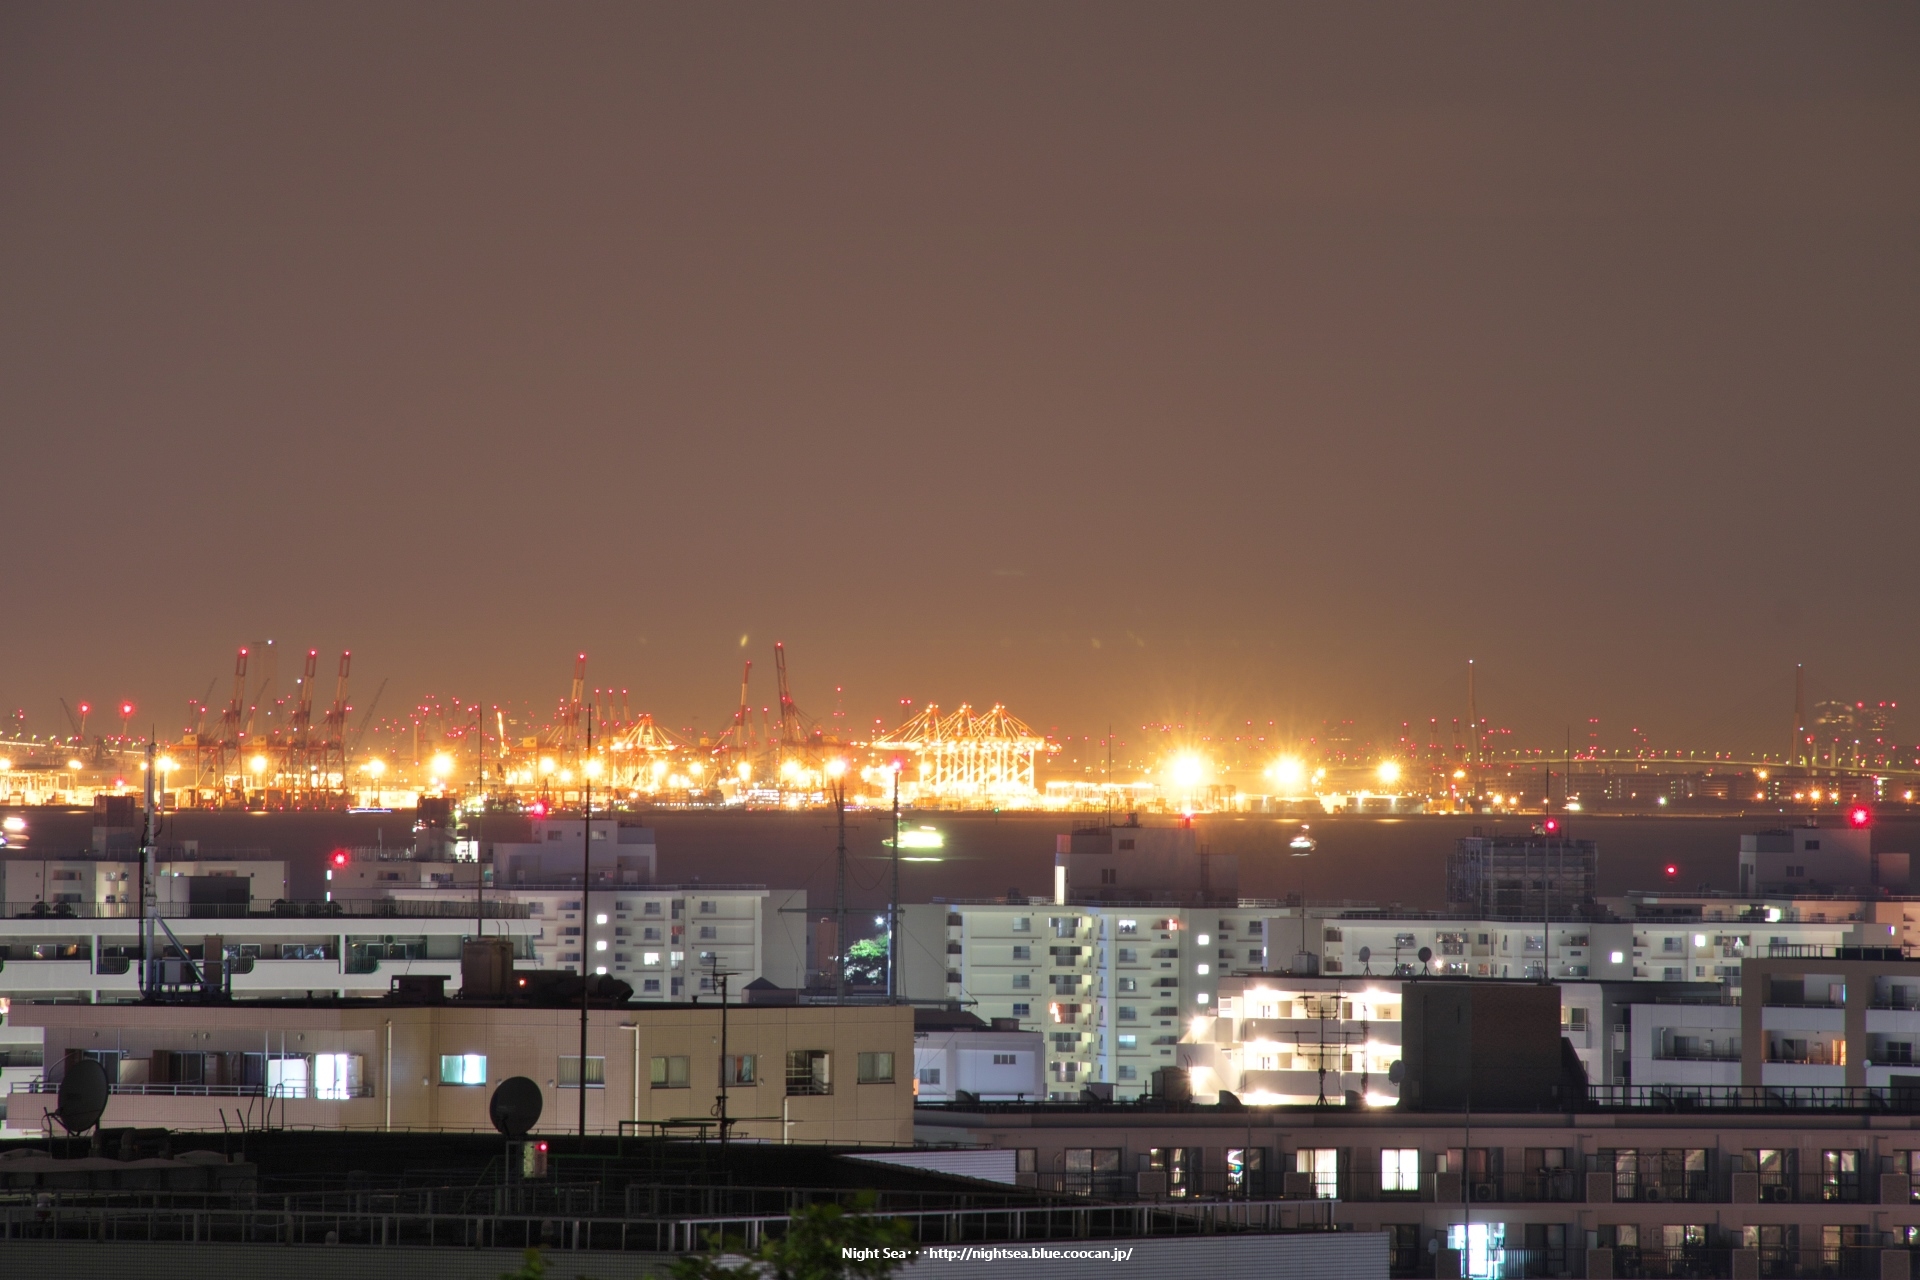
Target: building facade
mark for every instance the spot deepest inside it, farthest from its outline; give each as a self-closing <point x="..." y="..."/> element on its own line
<point x="793" y="1073"/>
<point x="1595" y="1192"/>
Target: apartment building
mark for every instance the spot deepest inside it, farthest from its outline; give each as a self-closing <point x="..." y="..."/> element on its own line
<point x="1641" y="937"/>
<point x="308" y="950"/>
<point x="602" y="912"/>
<point x="1540" y="1175"/>
<point x="1111" y="987"/>
<point x="669" y="942"/>
<point x="793" y="1073"/>
<point x="97" y="884"/>
<point x="1627" y="1190"/>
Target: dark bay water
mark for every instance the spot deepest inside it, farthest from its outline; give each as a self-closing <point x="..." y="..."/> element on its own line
<point x="1384" y="860"/>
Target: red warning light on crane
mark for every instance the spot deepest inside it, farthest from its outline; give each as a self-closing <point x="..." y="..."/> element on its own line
<point x="1860" y="817"/>
<point x="1551" y="826"/>
<point x="340" y="857"/>
<point x="1673" y="869"/>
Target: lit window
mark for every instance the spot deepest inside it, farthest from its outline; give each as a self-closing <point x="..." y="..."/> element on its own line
<point x="1323" y="1165"/>
<point x="601" y="918"/>
<point x="1400" y="1169"/>
<point x="649" y="957"/>
<point x="601" y="945"/>
<point x="1202" y="970"/>
<point x="287" y="1077"/>
<point x="463" y="1068"/>
<point x="336" y="1076"/>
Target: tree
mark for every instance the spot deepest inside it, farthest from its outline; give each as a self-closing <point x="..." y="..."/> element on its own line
<point x="814" y="1247"/>
<point x="867" y="960"/>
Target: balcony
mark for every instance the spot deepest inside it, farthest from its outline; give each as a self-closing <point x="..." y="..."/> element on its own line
<point x="1701" y="1054"/>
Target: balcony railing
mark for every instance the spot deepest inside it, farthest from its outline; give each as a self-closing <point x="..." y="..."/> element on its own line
<point x="1733" y="1097"/>
<point x="1697" y="1055"/>
<point x="334" y="1093"/>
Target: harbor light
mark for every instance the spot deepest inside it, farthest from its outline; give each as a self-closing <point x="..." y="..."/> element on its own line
<point x="1188" y="769"/>
<point x="1388" y="772"/>
<point x="258" y="764"/>
<point x="442" y="765"/>
<point x="1289" y="772"/>
<point x="376" y="767"/>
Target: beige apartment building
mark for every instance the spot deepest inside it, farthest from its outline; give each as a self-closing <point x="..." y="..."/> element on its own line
<point x="800" y="1073"/>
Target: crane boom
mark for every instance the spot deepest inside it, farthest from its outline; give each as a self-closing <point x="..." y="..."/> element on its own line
<point x="360" y="731"/>
<point x="790" y="732"/>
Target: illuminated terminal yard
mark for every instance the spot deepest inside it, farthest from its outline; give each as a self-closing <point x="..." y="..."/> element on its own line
<point x="307" y="744"/>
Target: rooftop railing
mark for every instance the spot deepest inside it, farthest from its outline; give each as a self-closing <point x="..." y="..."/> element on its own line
<point x="467" y="907"/>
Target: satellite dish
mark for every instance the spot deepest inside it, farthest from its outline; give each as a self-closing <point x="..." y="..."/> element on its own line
<point x="1425" y="954"/>
<point x="1396" y="1071"/>
<point x="1366" y="954"/>
<point x="515" y="1106"/>
<point x="83" y="1096"/>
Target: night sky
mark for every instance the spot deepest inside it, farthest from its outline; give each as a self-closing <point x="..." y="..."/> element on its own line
<point x="1198" y="363"/>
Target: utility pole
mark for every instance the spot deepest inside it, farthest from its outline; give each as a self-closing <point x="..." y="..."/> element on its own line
<point x="1797" y="755"/>
<point x="479" y="823"/>
<point x="893" y="905"/>
<point x="837" y="771"/>
<point x="586" y="917"/>
<point x="147" y="833"/>
<point x="1473" y="739"/>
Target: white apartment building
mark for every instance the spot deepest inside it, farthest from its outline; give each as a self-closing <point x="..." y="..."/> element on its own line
<point x="1110" y="987"/>
<point x="1654" y="938"/>
<point x="1277" y="1038"/>
<point x="94" y="961"/>
<point x="667" y="941"/>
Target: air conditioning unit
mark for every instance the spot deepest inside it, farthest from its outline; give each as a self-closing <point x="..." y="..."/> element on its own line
<point x="1777" y="1194"/>
<point x="1654" y="1194"/>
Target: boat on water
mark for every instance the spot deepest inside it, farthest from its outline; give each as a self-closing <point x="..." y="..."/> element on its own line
<point x="1302" y="844"/>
